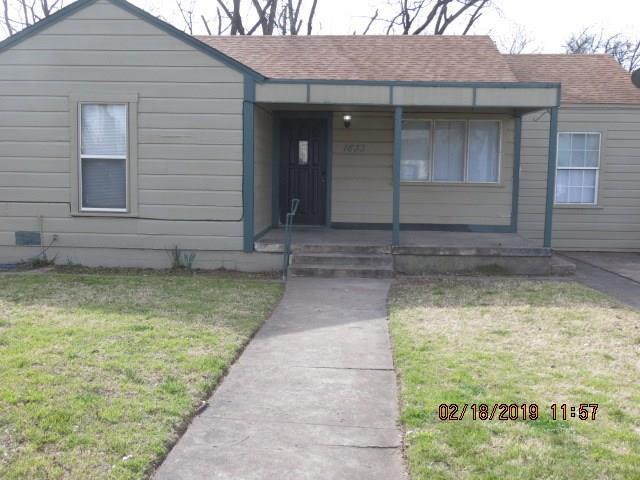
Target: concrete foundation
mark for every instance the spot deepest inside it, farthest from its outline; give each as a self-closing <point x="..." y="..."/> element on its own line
<point x="335" y="252"/>
<point x="146" y="258"/>
<point x="443" y="264"/>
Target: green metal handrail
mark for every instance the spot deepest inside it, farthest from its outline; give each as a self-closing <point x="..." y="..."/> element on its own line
<point x="287" y="236"/>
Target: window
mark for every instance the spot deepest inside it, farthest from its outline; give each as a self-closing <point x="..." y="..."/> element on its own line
<point x="484" y="149"/>
<point x="103" y="157"/>
<point x="450" y="151"/>
<point x="578" y="168"/>
<point x="416" y="151"/>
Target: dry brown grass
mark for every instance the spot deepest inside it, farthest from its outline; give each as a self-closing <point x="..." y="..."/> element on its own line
<point x="484" y="340"/>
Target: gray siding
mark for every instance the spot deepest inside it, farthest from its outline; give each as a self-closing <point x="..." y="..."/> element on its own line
<point x="362" y="190"/>
<point x="189" y="131"/>
<point x="613" y="224"/>
<point x="263" y="169"/>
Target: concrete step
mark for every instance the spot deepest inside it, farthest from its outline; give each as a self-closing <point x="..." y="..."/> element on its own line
<point x="342" y="249"/>
<point x="340" y="271"/>
<point x="562" y="267"/>
<point x="347" y="259"/>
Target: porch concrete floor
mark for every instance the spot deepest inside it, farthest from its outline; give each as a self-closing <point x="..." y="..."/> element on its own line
<point x="307" y="236"/>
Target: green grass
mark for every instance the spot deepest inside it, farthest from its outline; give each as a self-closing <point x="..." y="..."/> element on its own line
<point x="98" y="373"/>
<point x="479" y="340"/>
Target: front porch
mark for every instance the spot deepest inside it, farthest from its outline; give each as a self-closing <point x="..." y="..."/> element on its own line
<point x="426" y="174"/>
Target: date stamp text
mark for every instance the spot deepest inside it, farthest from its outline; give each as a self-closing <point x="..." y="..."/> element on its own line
<point x="514" y="411"/>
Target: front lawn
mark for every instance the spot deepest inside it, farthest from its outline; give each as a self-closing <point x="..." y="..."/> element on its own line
<point x="494" y="341"/>
<point x="98" y="373"/>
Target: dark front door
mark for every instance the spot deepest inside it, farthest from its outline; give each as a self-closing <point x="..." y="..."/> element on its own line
<point x="303" y="169"/>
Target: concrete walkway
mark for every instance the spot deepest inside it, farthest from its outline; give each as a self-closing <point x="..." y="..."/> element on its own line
<point x="624" y="264"/>
<point x="312" y="397"/>
<point x="611" y="282"/>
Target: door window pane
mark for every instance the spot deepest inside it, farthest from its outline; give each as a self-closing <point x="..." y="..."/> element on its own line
<point x="449" y="143"/>
<point x="104" y="183"/>
<point x="484" y="148"/>
<point x="303" y="152"/>
<point x="416" y="150"/>
<point x="104" y="130"/>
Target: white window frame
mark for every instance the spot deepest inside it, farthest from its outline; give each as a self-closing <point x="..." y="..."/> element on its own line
<point x="596" y="194"/>
<point x="125" y="157"/>
<point x="75" y="179"/>
<point x="465" y="180"/>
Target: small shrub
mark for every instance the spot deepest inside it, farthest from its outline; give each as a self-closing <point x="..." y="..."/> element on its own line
<point x="181" y="260"/>
<point x="39" y="261"/>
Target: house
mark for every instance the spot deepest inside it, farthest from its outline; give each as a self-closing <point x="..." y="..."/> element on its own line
<point x="121" y="136"/>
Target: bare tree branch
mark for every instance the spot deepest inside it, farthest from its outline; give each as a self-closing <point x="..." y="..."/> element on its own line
<point x="312" y="14"/>
<point x="187" y="15"/>
<point x="418" y="16"/>
<point x="206" y="24"/>
<point x="624" y="50"/>
<point x="516" y="43"/>
<point x="19" y="14"/>
<point x="371" y="20"/>
<point x="234" y="17"/>
<point x="266" y="16"/>
<point x="430" y="16"/>
<point x="7" y="21"/>
<point x="475" y="16"/>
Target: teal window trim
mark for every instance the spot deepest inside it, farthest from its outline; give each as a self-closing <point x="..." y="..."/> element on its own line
<point x="551" y="177"/>
<point x="397" y="155"/>
<point x="248" y="181"/>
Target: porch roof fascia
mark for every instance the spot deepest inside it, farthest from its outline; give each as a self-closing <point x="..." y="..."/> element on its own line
<point x="520" y="95"/>
<point x="417" y="83"/>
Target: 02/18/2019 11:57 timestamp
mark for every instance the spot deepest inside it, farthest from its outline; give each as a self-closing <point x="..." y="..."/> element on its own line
<point x="514" y="411"/>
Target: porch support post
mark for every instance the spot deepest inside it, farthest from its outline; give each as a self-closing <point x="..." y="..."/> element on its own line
<point x="551" y="177"/>
<point x="248" y="181"/>
<point x="397" y="155"/>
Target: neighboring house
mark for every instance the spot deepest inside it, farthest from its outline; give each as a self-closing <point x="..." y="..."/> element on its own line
<point x="121" y="136"/>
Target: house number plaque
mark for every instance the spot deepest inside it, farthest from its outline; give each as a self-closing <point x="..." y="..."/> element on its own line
<point x="354" y="148"/>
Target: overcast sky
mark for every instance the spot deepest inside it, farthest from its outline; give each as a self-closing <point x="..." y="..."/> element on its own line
<point x="547" y="23"/>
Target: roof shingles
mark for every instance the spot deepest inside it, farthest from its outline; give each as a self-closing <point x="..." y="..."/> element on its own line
<point x="371" y="57"/>
<point x="586" y="79"/>
<point x="592" y="79"/>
